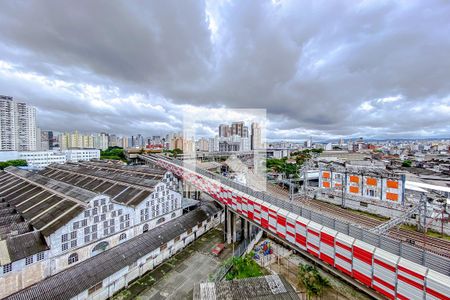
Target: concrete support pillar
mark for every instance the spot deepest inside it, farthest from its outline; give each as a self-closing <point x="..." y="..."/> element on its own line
<point x="228" y="225"/>
<point x="245" y="228"/>
<point x="234" y="225"/>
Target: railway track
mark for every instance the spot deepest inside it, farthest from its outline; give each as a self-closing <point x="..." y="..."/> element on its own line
<point x="432" y="244"/>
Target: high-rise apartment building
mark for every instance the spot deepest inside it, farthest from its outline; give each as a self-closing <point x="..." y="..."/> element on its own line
<point x="237" y="128"/>
<point x="46" y="140"/>
<point x="256" y="142"/>
<point x="17" y="125"/>
<point x="75" y="140"/>
<point x="101" y="141"/>
<point x="224" y="130"/>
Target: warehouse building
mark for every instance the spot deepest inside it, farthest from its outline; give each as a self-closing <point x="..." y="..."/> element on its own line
<point x="66" y="214"/>
<point x="116" y="268"/>
<point x="370" y="183"/>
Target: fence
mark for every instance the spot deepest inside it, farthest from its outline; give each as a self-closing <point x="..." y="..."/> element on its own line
<point x="428" y="259"/>
<point x="239" y="251"/>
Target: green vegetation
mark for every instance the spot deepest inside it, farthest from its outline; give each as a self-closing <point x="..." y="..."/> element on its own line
<point x="430" y="233"/>
<point x="243" y="267"/>
<point x="115" y="153"/>
<point x="174" y="153"/>
<point x="311" y="280"/>
<point x="15" y="163"/>
<point x="289" y="169"/>
<point x="407" y="163"/>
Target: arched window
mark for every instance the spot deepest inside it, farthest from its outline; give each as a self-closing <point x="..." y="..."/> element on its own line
<point x="73" y="258"/>
<point x="145" y="228"/>
<point x="160" y="220"/>
<point x="100" y="247"/>
<point x="122" y="236"/>
<point x="173" y="215"/>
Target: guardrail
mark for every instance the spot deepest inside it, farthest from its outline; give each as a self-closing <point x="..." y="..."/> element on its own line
<point x="426" y="258"/>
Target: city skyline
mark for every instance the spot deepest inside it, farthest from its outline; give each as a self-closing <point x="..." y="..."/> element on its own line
<point x="369" y="74"/>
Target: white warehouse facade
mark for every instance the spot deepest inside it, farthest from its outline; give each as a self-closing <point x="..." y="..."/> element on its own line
<point x="65" y="214"/>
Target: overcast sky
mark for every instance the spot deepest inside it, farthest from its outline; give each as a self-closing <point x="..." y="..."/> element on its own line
<point x="326" y="69"/>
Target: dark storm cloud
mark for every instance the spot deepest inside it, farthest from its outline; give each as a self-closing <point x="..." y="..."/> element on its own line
<point x="321" y="68"/>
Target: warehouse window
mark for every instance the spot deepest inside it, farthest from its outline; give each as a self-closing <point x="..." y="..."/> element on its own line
<point x="95" y="288"/>
<point x="73" y="258"/>
<point x="40" y="256"/>
<point x="29" y="260"/>
<point x="7" y="268"/>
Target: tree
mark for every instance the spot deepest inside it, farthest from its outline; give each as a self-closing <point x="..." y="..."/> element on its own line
<point x="177" y="152"/>
<point x="243" y="267"/>
<point x="310" y="279"/>
<point x="115" y="153"/>
<point x="14" y="163"/>
<point x="406" y="163"/>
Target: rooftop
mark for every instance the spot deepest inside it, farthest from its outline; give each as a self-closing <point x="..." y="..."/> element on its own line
<point x="265" y="287"/>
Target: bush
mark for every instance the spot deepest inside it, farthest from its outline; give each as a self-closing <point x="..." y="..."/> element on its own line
<point x="406" y="163"/>
<point x="243" y="267"/>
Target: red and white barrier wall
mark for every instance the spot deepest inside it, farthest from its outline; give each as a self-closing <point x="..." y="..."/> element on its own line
<point x="387" y="273"/>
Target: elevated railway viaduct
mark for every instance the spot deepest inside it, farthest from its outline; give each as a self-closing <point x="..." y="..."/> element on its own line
<point x="374" y="264"/>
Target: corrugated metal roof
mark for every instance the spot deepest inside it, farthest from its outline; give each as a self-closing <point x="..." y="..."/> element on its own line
<point x="24" y="245"/>
<point x="271" y="287"/>
<point x="82" y="276"/>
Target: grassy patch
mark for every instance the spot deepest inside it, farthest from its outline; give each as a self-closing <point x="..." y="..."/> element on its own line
<point x="430" y="233"/>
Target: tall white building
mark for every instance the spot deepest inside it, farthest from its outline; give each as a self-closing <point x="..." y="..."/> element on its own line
<point x="256" y="141"/>
<point x="17" y="125"/>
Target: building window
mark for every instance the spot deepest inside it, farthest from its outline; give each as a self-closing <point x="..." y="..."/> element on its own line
<point x="160" y="220"/>
<point x="65" y="246"/>
<point x="29" y="260"/>
<point x="100" y="247"/>
<point x="122" y="236"/>
<point x="7" y="268"/>
<point x="145" y="228"/>
<point x="72" y="258"/>
<point x="73" y="243"/>
<point x="76" y="225"/>
<point x="64" y="238"/>
<point x="84" y="222"/>
<point x="40" y="256"/>
<point x="95" y="288"/>
<point x="86" y="214"/>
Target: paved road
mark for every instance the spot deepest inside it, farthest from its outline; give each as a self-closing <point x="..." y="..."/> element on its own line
<point x="179" y="283"/>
